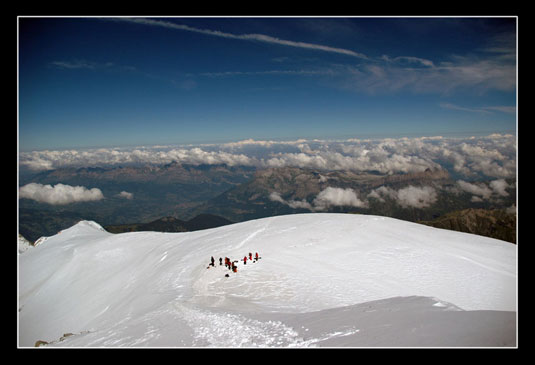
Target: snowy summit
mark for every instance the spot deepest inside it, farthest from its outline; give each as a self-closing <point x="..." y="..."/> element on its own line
<point x="321" y="280"/>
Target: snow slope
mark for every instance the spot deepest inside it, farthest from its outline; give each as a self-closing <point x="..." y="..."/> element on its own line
<point x="154" y="289"/>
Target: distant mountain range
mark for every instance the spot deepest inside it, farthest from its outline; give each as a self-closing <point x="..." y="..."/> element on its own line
<point x="192" y="197"/>
<point x="251" y="199"/>
<point x="172" y="224"/>
<point x="171" y="173"/>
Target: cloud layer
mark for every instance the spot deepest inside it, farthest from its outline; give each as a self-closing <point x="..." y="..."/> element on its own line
<point x="327" y="198"/>
<point x="493" y="156"/>
<point x="59" y="194"/>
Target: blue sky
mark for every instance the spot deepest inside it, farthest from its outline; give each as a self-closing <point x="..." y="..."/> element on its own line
<point x="92" y="82"/>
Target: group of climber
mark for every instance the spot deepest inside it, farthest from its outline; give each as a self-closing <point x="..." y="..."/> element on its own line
<point x="231" y="265"/>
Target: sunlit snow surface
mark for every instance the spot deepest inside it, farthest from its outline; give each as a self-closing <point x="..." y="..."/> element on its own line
<point x="322" y="280"/>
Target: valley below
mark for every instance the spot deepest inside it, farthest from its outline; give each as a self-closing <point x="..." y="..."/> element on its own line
<point x="240" y="193"/>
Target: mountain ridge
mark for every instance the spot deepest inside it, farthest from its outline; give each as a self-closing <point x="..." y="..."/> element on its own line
<point x="495" y="223"/>
<point x="318" y="272"/>
<point x="172" y="224"/>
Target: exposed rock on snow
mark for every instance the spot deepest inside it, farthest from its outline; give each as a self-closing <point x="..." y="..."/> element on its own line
<point x="24" y="244"/>
<point x="381" y="281"/>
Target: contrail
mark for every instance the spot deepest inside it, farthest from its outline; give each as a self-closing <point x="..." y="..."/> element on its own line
<point x="248" y="37"/>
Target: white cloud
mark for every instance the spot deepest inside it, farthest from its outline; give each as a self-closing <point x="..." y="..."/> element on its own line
<point x="199" y="156"/>
<point x="484" y="109"/>
<point x="48" y="160"/>
<point x="463" y="109"/>
<point x="276" y="197"/>
<point x="338" y="197"/>
<point x="504" y="109"/>
<point x="59" y="194"/>
<point x="125" y="195"/>
<point x="300" y="204"/>
<point x="78" y="64"/>
<point x="90" y="65"/>
<point x="328" y="197"/>
<point x="301" y="72"/>
<point x="478" y="189"/>
<point x="382" y="192"/>
<point x="499" y="186"/>
<point x="408" y="197"/>
<point x="408" y="60"/>
<point x="491" y="72"/>
<point x="481" y="191"/>
<point x="295" y="204"/>
<point x="492" y="156"/>
<point x="416" y="197"/>
<point x="488" y="71"/>
<point x="355" y="157"/>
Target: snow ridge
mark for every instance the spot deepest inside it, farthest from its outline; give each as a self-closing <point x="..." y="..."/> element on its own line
<point x="157" y="289"/>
